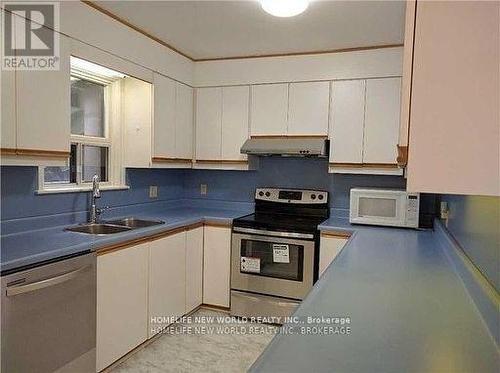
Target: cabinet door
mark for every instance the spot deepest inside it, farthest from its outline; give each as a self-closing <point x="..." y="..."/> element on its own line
<point x="122" y="303"/>
<point x="194" y="268"/>
<point x="330" y="247"/>
<point x="235" y="113"/>
<point x="308" y="108"/>
<point x="269" y="109"/>
<point x="382" y="116"/>
<point x="43" y="106"/>
<point x="136" y="111"/>
<point x="216" y="265"/>
<point x="208" y="123"/>
<point x="164" y="117"/>
<point x="167" y="281"/>
<point x="347" y="121"/>
<point x="184" y="122"/>
<point x="8" y="110"/>
<point x="454" y="120"/>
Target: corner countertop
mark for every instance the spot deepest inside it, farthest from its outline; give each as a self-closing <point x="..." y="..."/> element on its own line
<point x="409" y="311"/>
<point x="21" y="250"/>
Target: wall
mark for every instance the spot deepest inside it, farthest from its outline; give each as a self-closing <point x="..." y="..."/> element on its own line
<point x="474" y="222"/>
<point x="239" y="186"/>
<point x="18" y="186"/>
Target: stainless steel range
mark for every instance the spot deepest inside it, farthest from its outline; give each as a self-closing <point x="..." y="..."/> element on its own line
<point x="274" y="253"/>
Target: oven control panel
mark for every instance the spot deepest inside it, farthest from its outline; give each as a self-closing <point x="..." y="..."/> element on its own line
<point x="297" y="196"/>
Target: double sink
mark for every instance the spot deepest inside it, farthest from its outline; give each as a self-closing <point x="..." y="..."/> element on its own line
<point x="114" y="226"/>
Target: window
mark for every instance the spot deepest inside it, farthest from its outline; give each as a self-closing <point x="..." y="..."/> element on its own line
<point x="92" y="141"/>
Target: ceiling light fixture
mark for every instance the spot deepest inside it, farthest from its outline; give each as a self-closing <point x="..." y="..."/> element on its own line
<point x="284" y="8"/>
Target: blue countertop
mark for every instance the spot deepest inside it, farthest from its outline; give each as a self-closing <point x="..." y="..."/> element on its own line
<point x="27" y="248"/>
<point x="408" y="311"/>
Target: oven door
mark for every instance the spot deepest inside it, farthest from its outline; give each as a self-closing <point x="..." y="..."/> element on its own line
<point x="272" y="263"/>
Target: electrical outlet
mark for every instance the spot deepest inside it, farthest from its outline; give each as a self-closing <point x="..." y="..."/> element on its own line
<point x="203" y="189"/>
<point x="153" y="191"/>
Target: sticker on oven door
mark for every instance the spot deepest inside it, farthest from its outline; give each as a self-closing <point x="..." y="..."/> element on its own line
<point x="249" y="264"/>
<point x="281" y="254"/>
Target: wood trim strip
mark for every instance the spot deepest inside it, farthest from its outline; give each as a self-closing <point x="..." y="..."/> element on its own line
<point x="218" y="224"/>
<point x="288" y="136"/>
<point x="338" y="234"/>
<point x="134" y="27"/>
<point x="136" y="241"/>
<point x="35" y="153"/>
<point x="291" y="54"/>
<point x="7" y="151"/>
<point x="171" y="160"/>
<point x="171" y="47"/>
<point x="402" y="158"/>
<point x="364" y="165"/>
<point x="221" y="161"/>
<point x="215" y="307"/>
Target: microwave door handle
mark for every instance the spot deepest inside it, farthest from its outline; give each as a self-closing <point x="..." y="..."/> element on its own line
<point x="21" y="289"/>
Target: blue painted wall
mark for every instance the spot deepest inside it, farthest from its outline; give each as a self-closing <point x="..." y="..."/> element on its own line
<point x="18" y="186"/>
<point x="474" y="221"/>
<point x="282" y="172"/>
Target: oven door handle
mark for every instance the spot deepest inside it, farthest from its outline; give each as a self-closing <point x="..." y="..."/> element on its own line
<point x="273" y="233"/>
<point x="21" y="289"/>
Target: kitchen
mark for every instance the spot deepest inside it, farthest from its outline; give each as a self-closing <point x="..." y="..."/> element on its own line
<point x="172" y="167"/>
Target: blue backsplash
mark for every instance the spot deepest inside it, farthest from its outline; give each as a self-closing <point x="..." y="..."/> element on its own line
<point x="18" y="186"/>
<point x="474" y="222"/>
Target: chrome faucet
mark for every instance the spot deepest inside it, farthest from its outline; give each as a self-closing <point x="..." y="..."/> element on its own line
<point x="96" y="193"/>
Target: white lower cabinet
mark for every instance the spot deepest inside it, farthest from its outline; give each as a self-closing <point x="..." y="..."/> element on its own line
<point x="216" y="265"/>
<point x="122" y="302"/>
<point x="194" y="268"/>
<point x="330" y="247"/>
<point x="144" y="288"/>
<point x="167" y="281"/>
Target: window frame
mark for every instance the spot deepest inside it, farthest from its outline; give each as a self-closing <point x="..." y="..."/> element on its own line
<point x="111" y="140"/>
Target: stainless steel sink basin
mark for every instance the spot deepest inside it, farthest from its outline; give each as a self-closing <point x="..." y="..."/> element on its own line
<point x="135" y="223"/>
<point x="98" y="229"/>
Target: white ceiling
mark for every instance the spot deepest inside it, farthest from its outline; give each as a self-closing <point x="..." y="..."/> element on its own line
<point x="214" y="29"/>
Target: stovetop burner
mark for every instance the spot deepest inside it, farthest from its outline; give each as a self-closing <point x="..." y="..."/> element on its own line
<point x="288" y="210"/>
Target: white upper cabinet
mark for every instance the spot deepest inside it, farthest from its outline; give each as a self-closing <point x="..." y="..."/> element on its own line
<point x="136" y="118"/>
<point x="221" y="123"/>
<point x="382" y="118"/>
<point x="308" y="108"/>
<point x="208" y="123"/>
<point x="173" y="120"/>
<point x="364" y="128"/>
<point x="235" y="102"/>
<point x="8" y="110"/>
<point x="269" y="109"/>
<point x="347" y="121"/>
<point x="184" y="122"/>
<point x="164" y="117"/>
<point x="454" y="130"/>
<point x="43" y="106"/>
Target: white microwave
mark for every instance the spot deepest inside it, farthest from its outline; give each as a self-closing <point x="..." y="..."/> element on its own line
<point x="396" y="208"/>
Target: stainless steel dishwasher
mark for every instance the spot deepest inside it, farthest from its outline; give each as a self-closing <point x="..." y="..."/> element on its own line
<point x="49" y="318"/>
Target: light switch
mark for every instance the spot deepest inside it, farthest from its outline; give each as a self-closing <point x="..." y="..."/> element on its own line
<point x="153" y="191"/>
<point x="203" y="189"/>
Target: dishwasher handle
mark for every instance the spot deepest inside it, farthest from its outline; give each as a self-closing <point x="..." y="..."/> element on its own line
<point x="21" y="289"/>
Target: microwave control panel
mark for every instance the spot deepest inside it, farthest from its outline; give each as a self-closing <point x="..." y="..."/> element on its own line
<point x="412" y="210"/>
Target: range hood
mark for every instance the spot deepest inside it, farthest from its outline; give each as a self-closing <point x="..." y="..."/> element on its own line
<point x="287" y="146"/>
